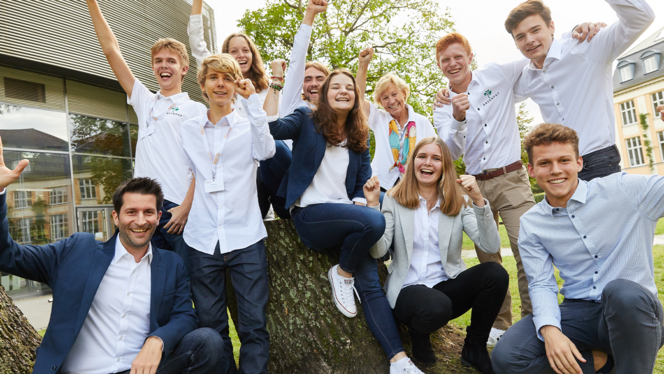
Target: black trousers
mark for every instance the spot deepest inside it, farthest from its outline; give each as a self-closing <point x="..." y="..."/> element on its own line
<point x="482" y="288"/>
<point x="600" y="163"/>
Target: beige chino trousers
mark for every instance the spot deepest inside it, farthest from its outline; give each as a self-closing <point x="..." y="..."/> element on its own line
<point x="510" y="197"/>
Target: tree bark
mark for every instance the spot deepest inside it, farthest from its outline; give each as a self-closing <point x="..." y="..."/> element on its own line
<point x="307" y="332"/>
<point x="18" y="339"/>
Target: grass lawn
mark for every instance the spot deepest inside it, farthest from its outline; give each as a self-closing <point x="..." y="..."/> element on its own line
<point x="504" y="240"/>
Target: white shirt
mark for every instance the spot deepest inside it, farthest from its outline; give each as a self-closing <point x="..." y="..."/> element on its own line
<point x="329" y="183"/>
<point x="489" y="137"/>
<point x="575" y="85"/>
<point x="119" y="319"/>
<point x="379" y="123"/>
<point x="292" y="91"/>
<point x="231" y="217"/>
<point x="159" y="153"/>
<point x="426" y="266"/>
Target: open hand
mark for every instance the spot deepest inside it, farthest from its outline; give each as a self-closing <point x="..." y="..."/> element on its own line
<point x="372" y="191"/>
<point x="561" y="352"/>
<point x="660" y="110"/>
<point x="587" y="30"/>
<point x="8" y="176"/>
<point x="244" y="88"/>
<point x="148" y="359"/>
<point x="469" y="184"/>
<point x="179" y="217"/>
<point x="442" y="98"/>
<point x="460" y="104"/>
<point x="366" y="55"/>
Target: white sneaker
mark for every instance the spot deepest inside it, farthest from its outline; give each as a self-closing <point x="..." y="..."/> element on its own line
<point x="494" y="336"/>
<point x="342" y="292"/>
<point x="404" y="366"/>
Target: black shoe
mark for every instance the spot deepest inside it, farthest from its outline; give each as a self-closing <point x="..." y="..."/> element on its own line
<point x="477" y="356"/>
<point x="422" y="351"/>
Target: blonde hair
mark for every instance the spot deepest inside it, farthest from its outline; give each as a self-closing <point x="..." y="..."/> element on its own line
<point x="256" y="71"/>
<point x="171" y="45"/>
<point x="406" y="192"/>
<point x="221" y="63"/>
<point x="384" y="83"/>
<point x="317" y="65"/>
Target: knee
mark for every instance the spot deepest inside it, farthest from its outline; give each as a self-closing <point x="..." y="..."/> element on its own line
<point x="500" y="357"/>
<point x="208" y="340"/>
<point x="496" y="272"/>
<point x="436" y="314"/>
<point x="375" y="224"/>
<point x="622" y="296"/>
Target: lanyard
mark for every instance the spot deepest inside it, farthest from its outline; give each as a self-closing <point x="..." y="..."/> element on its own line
<point x="219" y="145"/>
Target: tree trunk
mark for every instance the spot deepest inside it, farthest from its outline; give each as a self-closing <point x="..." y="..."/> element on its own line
<point x="307" y="332"/>
<point x="18" y="339"/>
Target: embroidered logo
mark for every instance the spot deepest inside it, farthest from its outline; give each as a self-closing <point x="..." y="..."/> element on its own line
<point x="173" y="110"/>
<point x="487" y="93"/>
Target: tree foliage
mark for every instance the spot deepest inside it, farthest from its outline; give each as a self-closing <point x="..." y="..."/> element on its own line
<point x="403" y="34"/>
<point x="524" y="121"/>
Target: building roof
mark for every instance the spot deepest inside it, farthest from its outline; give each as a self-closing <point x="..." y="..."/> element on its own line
<point x="653" y="44"/>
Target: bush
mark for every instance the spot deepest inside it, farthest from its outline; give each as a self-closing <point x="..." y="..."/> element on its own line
<point x="539" y="197"/>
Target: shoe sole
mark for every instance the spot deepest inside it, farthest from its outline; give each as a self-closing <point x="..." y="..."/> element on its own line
<point x="334" y="297"/>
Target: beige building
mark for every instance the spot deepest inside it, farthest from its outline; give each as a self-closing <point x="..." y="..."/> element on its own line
<point x="638" y="88"/>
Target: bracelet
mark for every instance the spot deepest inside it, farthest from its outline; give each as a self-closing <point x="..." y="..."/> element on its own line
<point x="279" y="78"/>
<point x="277" y="86"/>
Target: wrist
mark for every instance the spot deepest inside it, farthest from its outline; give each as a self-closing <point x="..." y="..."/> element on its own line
<point x="460" y="117"/>
<point x="309" y="17"/>
<point x="479" y="202"/>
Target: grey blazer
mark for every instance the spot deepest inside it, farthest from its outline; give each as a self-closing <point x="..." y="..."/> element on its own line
<point x="478" y="223"/>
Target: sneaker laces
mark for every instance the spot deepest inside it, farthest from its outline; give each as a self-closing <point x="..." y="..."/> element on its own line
<point x="348" y="284"/>
<point x="410" y="368"/>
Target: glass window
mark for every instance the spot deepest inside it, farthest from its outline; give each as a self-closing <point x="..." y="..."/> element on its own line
<point x="133" y="129"/>
<point x="650" y="64"/>
<point x="628" y="113"/>
<point x="90" y="221"/>
<point x="19" y="229"/>
<point x="22" y="199"/>
<point x="97" y="177"/>
<point x="626" y="73"/>
<point x="635" y="151"/>
<point x="31" y="128"/>
<point x="101" y="136"/>
<point x="58" y="195"/>
<point x="660" y="137"/>
<point x="59" y="227"/>
<point x="657" y="100"/>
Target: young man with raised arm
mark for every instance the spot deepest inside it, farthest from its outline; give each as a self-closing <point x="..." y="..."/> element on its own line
<point x="599" y="235"/>
<point x="480" y="124"/>
<point x="159" y="153"/>
<point x="571" y="82"/>
<point x="226" y="230"/>
<point x="118" y="307"/>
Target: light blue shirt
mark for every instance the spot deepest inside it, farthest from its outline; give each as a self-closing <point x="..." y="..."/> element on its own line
<point x="605" y="233"/>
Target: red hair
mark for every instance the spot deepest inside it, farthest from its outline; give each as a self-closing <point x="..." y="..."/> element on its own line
<point x="449" y="39"/>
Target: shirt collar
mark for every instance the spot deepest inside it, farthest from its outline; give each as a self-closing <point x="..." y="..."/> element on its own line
<point x="555" y="51"/>
<point x="121" y="251"/>
<point x="425" y="201"/>
<point x="177" y="99"/>
<point x="580" y="195"/>
<point x="474" y="79"/>
<point x="231" y="119"/>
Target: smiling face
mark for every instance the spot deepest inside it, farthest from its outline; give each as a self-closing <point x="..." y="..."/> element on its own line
<point x="137" y="220"/>
<point x="219" y="87"/>
<point x="556" y="166"/>
<point x="341" y="94"/>
<point x="168" y="69"/>
<point x="238" y="47"/>
<point x="455" y="62"/>
<point x="393" y="100"/>
<point x="313" y="80"/>
<point x="533" y="37"/>
<point x="428" y="165"/>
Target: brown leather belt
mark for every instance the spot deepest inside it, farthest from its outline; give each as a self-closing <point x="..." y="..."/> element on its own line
<point x="498" y="172"/>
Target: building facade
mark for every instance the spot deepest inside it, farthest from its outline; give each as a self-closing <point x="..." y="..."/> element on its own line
<point x="638" y="88"/>
<point x="62" y="109"/>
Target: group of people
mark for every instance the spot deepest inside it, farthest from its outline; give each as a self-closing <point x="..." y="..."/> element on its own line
<point x="205" y="179"/>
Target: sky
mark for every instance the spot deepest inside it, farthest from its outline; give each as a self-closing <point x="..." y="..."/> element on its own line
<point x="477" y="20"/>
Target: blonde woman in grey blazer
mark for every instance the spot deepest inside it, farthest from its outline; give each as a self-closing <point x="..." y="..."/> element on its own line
<point x="428" y="284"/>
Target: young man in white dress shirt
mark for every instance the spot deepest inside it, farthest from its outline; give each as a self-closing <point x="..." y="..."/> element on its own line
<point x="159" y="153"/>
<point x="226" y="230"/>
<point x="599" y="235"/>
<point x="571" y="81"/>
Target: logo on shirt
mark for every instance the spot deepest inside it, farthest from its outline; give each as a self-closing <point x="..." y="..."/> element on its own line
<point x="487" y="93"/>
<point x="173" y="110"/>
<point x="490" y="96"/>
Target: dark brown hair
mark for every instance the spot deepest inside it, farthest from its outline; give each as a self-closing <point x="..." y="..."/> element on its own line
<point x="525" y="10"/>
<point x="548" y="133"/>
<point x="256" y="73"/>
<point x="356" y="131"/>
<point x="406" y="192"/>
<point x="143" y="186"/>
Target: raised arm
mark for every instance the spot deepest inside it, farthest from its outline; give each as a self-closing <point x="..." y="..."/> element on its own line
<point x="271" y="105"/>
<point x="263" y="142"/>
<point x="195" y="30"/>
<point x="361" y="78"/>
<point x="109" y="44"/>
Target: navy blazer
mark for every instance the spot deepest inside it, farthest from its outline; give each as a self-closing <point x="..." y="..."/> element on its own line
<point x="74" y="268"/>
<point x="308" y="151"/>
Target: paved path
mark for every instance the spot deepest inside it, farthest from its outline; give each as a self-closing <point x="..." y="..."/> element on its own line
<point x="470" y="253"/>
<point x="37" y="310"/>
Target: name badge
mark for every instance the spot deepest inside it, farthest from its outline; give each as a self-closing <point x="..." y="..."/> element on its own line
<point x="142" y="133"/>
<point x="216" y="185"/>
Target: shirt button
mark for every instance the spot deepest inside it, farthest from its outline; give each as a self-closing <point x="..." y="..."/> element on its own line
<point x="117" y="360"/>
<point x="596" y="272"/>
<point x="594" y="287"/>
<point x="478" y="108"/>
<point x="485" y="125"/>
<point x="128" y="293"/>
<point x="484" y="158"/>
<point x="487" y="142"/>
<point x="551" y="87"/>
<point x="120" y="337"/>
<point x="572" y="215"/>
<point x="596" y="256"/>
<point x="557" y="103"/>
<point x="584" y="238"/>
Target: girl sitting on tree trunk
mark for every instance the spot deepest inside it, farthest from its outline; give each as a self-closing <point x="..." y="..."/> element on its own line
<point x="426" y="215"/>
<point x="323" y="189"/>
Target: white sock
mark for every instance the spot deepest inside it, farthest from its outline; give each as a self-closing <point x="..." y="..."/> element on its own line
<point x="401" y="363"/>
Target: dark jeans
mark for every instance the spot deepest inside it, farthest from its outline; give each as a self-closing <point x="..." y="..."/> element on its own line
<point x="170" y="242"/>
<point x="626" y="324"/>
<point x="354" y="229"/>
<point x="273" y="171"/>
<point x="248" y="267"/>
<point x="263" y="195"/>
<point x="198" y="352"/>
<point x="481" y="288"/>
<point x="600" y="163"/>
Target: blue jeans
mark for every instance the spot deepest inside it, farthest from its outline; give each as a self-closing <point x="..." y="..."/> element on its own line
<point x="626" y="324"/>
<point x="248" y="271"/>
<point x="197" y="352"/>
<point x="273" y="171"/>
<point x="600" y="163"/>
<point x="355" y="229"/>
<point x="170" y="242"/>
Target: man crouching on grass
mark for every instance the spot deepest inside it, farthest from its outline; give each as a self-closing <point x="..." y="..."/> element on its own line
<point x="599" y="234"/>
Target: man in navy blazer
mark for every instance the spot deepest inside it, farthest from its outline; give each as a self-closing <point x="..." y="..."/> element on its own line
<point x="121" y="306"/>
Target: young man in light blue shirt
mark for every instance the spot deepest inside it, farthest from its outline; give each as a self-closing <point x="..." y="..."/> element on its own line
<point x="599" y="235"/>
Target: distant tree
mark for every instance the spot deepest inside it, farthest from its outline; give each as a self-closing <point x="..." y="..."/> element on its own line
<point x="524" y="121"/>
